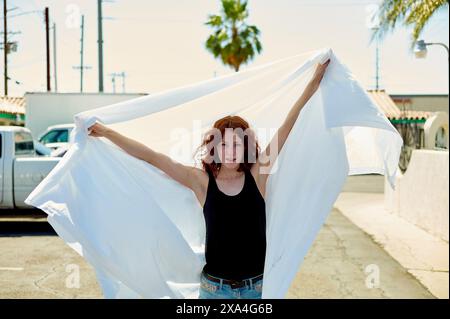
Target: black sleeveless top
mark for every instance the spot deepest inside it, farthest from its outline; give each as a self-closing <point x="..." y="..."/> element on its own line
<point x="235" y="231"/>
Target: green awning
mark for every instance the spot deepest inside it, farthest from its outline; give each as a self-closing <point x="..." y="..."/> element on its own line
<point x="407" y="121"/>
<point x="12" y="117"/>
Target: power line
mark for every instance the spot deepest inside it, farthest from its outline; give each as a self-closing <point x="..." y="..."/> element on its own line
<point x="14" y="80"/>
<point x="22" y="14"/>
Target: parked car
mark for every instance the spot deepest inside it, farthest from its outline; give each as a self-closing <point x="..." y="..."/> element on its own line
<point x="56" y="136"/>
<point x="41" y="149"/>
<point x="21" y="169"/>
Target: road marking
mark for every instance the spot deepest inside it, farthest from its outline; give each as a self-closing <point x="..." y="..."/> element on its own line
<point x="12" y="268"/>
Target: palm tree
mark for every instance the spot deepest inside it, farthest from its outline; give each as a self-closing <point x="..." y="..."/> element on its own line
<point x="233" y="40"/>
<point x="412" y="12"/>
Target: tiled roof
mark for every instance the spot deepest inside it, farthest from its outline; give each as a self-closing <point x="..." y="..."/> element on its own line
<point x="391" y="110"/>
<point x="12" y="105"/>
<point x="16" y="105"/>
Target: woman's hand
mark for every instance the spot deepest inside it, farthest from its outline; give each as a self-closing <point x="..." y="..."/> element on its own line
<point x="320" y="71"/>
<point x="99" y="130"/>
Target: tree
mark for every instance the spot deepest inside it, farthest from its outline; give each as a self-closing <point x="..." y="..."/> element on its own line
<point x="233" y="40"/>
<point x="412" y="12"/>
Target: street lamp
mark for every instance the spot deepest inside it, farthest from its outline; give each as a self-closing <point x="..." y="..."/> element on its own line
<point x="420" y="50"/>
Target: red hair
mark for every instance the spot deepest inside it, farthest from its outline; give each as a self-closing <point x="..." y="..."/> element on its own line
<point x="251" y="147"/>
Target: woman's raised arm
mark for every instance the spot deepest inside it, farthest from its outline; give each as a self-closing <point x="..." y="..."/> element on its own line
<point x="186" y="175"/>
<point x="278" y="140"/>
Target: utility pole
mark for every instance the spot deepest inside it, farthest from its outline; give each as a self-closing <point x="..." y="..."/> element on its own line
<point x="8" y="47"/>
<point x="377" y="65"/>
<point x="113" y="80"/>
<point x="373" y="23"/>
<point x="81" y="66"/>
<point x="54" y="57"/>
<point x="100" y="46"/>
<point x="123" y="81"/>
<point x="81" y="53"/>
<point x="5" y="46"/>
<point x="47" y="46"/>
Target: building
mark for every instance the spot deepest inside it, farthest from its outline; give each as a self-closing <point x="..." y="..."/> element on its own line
<point x="422" y="120"/>
<point x="421" y="102"/>
<point x="12" y="110"/>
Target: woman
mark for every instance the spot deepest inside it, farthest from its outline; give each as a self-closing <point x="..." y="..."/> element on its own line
<point x="231" y="189"/>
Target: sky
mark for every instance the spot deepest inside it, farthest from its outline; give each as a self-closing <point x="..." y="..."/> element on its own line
<point x="160" y="44"/>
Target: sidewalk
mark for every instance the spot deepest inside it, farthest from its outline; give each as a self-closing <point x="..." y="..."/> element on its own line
<point x="421" y="254"/>
<point x="344" y="262"/>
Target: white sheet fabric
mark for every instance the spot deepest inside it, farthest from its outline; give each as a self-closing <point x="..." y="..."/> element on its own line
<point x="144" y="233"/>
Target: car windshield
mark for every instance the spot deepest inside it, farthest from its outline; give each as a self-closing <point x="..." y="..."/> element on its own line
<point x="23" y="143"/>
<point x="55" y="136"/>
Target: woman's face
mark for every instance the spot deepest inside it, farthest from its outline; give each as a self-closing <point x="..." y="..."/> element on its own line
<point x="231" y="150"/>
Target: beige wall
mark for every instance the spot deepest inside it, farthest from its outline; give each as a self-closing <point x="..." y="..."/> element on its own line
<point x="421" y="194"/>
<point x="434" y="124"/>
<point x="434" y="103"/>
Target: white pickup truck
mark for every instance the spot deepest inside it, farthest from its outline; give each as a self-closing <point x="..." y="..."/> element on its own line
<point x="21" y="169"/>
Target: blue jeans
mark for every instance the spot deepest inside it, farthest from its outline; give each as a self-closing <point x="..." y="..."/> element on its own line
<point x="214" y="290"/>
